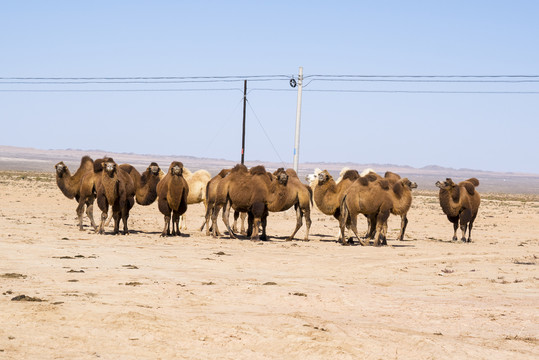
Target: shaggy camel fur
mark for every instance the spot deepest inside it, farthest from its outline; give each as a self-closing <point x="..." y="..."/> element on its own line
<point x="145" y="183"/>
<point x="172" y="192"/>
<point x="295" y="194"/>
<point x="197" y="182"/>
<point x="369" y="198"/>
<point x="116" y="190"/>
<point x="88" y="191"/>
<point x="70" y="184"/>
<point x="245" y="191"/>
<point x="460" y="202"/>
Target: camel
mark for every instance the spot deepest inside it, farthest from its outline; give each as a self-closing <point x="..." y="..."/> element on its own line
<point x="172" y="192"/>
<point x="245" y="191"/>
<point x="295" y="194"/>
<point x="145" y="183"/>
<point x="70" y="184"/>
<point x="401" y="198"/>
<point x="460" y="202"/>
<point x="328" y="194"/>
<point x="369" y="198"/>
<point x="117" y="190"/>
<point x="88" y="191"/>
<point x="197" y="182"/>
<point x="211" y="198"/>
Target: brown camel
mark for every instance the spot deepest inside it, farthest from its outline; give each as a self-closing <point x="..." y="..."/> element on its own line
<point x="70" y="184"/>
<point x="328" y="194"/>
<point x="197" y="182"/>
<point x="117" y="190"/>
<point x="401" y="198"/>
<point x="245" y="191"/>
<point x="293" y="193"/>
<point x="369" y="198"/>
<point x="211" y="198"/>
<point x="88" y="191"/>
<point x="172" y="192"/>
<point x="460" y="202"/>
<point x="145" y="183"/>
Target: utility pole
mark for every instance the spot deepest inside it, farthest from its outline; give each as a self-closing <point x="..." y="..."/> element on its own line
<point x="243" y="133"/>
<point x="298" y="119"/>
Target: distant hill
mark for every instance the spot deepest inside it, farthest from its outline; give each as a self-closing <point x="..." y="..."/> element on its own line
<point x="30" y="159"/>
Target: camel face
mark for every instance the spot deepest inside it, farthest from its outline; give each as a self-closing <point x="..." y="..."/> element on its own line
<point x="409" y="184"/>
<point x="154" y="168"/>
<point x="109" y="168"/>
<point x="323" y="177"/>
<point x="176" y="170"/>
<point x="61" y="168"/>
<point x="448" y="184"/>
<point x="282" y="176"/>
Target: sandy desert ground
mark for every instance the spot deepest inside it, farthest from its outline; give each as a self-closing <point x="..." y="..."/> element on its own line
<point x="141" y="296"/>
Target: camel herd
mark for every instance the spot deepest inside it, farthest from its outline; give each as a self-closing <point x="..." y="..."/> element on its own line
<point x="254" y="193"/>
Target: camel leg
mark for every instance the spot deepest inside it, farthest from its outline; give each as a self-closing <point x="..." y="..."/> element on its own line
<point x="455" y="227"/>
<point x="381" y="220"/>
<point x="243" y="216"/>
<point x="256" y="225"/>
<point x="125" y="216"/>
<point x="176" y="224"/>
<point x="80" y="211"/>
<point x="214" y="215"/>
<point x="101" y="227"/>
<point x="116" y="217"/>
<point x="166" y="229"/>
<point x="235" y="224"/>
<point x="226" y="216"/>
<point x="264" y="222"/>
<point x="307" y="214"/>
<point x="299" y="222"/>
<point x="183" y="221"/>
<point x="465" y="218"/>
<point x="470" y="225"/>
<point x="404" y="223"/>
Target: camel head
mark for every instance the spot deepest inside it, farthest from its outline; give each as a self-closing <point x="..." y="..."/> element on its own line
<point x="110" y="168"/>
<point x="61" y="169"/>
<point x="411" y="185"/>
<point x="282" y="176"/>
<point x="448" y="184"/>
<point x="154" y="169"/>
<point x="324" y="177"/>
<point x="314" y="176"/>
<point x="176" y="168"/>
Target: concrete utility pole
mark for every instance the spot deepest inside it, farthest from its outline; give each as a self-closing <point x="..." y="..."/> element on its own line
<point x="298" y="119"/>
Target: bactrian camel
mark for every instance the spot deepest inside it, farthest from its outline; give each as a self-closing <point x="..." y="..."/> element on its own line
<point x="116" y="190"/>
<point x="70" y="185"/>
<point x="172" y="192"/>
<point x="460" y="202"/>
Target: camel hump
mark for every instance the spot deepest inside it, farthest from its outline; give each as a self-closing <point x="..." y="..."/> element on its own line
<point x="86" y="159"/>
<point x="352" y="175"/>
<point x="291" y="172"/>
<point x="384" y="184"/>
<point x="474" y="181"/>
<point x="391" y="175"/>
<point x="258" y="170"/>
<point x="239" y="168"/>
<point x="127" y="168"/>
<point x="469" y="187"/>
<point x="371" y="177"/>
<point x="223" y="173"/>
<point x="363" y="181"/>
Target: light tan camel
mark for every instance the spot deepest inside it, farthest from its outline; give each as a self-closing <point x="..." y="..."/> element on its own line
<point x="197" y="182"/>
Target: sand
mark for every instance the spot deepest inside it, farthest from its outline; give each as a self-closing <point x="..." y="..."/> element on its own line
<point x="141" y="296"/>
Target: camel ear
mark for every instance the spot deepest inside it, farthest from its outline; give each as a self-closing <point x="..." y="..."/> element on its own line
<point x="469" y="187"/>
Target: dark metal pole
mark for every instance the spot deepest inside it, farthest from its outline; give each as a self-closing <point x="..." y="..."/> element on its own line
<point x="243" y="133"/>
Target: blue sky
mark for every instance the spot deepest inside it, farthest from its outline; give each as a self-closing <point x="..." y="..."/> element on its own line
<point x="495" y="131"/>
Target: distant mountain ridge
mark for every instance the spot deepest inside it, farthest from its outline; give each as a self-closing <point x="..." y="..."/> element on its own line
<point x="30" y="159"/>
